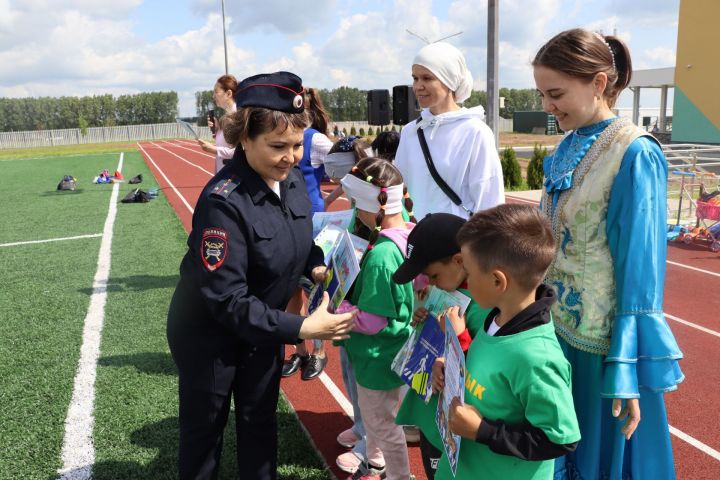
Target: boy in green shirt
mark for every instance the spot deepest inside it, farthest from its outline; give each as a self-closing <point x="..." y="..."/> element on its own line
<point x="518" y="413"/>
<point x="432" y="250"/>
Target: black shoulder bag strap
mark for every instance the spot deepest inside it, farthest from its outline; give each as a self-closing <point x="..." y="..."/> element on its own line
<point x="436" y="176"/>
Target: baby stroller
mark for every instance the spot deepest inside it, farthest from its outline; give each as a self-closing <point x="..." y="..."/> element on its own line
<point x="707" y="228"/>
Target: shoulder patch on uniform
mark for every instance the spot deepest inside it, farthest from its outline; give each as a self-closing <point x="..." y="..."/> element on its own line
<point x="224" y="187"/>
<point x="214" y="248"/>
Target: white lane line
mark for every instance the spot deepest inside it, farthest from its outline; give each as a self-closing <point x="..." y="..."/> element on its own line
<point x="191" y="209"/>
<point x="695" y="443"/>
<point x="337" y="394"/>
<point x="693" y="268"/>
<point x="522" y="200"/>
<point x="194" y="150"/>
<point x="186" y="161"/>
<point x="693" y="325"/>
<point x="78" y="237"/>
<point x="78" y="451"/>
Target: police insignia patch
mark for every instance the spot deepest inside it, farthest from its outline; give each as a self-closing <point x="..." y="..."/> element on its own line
<point x="214" y="248"/>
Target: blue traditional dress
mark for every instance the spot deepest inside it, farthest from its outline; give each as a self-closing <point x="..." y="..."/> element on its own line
<point x="605" y="193"/>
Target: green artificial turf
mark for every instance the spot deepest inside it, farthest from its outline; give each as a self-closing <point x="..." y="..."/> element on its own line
<point x="45" y="289"/>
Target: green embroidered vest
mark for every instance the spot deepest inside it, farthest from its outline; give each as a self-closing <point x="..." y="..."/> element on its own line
<point x="582" y="272"/>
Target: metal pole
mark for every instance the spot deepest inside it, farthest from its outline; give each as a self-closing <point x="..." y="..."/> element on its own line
<point x="493" y="95"/>
<point x="224" y="37"/>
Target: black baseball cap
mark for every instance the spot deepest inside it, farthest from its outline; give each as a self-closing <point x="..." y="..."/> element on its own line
<point x="432" y="239"/>
<point x="281" y="91"/>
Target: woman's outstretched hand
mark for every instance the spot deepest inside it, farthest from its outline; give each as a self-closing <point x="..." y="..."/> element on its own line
<point x="324" y="325"/>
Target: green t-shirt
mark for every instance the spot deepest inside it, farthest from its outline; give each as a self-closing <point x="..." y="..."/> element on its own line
<point x="375" y="292"/>
<point x="516" y="378"/>
<point x="414" y="411"/>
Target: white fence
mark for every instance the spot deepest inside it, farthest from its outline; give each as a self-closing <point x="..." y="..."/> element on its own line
<point x="133" y="133"/>
<point x="73" y="136"/>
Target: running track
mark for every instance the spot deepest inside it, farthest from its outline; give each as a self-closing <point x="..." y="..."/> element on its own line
<point x="691" y="305"/>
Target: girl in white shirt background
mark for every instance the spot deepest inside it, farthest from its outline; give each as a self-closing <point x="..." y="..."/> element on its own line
<point x="224" y="97"/>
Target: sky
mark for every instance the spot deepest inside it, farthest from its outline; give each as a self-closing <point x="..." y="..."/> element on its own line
<point x="93" y="47"/>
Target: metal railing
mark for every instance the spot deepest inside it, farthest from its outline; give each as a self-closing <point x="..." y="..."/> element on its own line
<point x="690" y="168"/>
<point x="74" y="136"/>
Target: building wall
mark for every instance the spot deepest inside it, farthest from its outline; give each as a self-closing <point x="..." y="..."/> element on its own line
<point x="696" y="115"/>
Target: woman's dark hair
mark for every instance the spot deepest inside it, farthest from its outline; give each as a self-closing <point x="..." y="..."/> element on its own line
<point x="381" y="173"/>
<point x="319" y="118"/>
<point x="249" y="122"/>
<point x="386" y="145"/>
<point x="583" y="54"/>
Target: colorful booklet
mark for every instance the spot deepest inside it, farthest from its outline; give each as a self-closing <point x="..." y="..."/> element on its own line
<point x="439" y="300"/>
<point x="414" y="361"/>
<point x="454" y="387"/>
<point x="340" y="219"/>
<point x="342" y="270"/>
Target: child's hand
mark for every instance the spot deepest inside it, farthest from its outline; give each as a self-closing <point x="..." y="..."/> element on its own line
<point x="631" y="410"/>
<point x="438" y="375"/>
<point x="419" y="316"/>
<point x="319" y="274"/>
<point x="458" y="322"/>
<point x="423" y="293"/>
<point x="464" y="420"/>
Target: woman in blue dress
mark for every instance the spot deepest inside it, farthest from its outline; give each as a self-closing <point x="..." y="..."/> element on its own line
<point x="605" y="193"/>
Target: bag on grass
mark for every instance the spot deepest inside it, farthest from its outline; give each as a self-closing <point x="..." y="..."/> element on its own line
<point x="136" y="196"/>
<point x="67" y="183"/>
<point x="136" y="179"/>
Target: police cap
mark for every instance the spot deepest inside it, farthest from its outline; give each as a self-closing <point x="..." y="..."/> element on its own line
<point x="281" y="91"/>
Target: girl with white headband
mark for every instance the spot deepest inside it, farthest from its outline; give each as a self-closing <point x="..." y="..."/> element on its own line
<point x="605" y="193"/>
<point x="384" y="310"/>
<point x="460" y="145"/>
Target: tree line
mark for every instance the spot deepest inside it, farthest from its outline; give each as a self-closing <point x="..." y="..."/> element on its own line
<point x="46" y="113"/>
<point x="346" y="104"/>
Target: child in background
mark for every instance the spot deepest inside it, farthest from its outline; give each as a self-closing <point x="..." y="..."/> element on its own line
<point x="346" y="150"/>
<point x="433" y="250"/>
<point x="518" y="413"/>
<point x="386" y="144"/>
<point x="384" y="313"/>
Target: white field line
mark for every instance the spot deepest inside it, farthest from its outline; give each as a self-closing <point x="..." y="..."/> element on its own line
<point x="194" y="150"/>
<point x="337" y="394"/>
<point x="693" y="325"/>
<point x="181" y="158"/>
<point x="191" y="209"/>
<point x="693" y="268"/>
<point x="78" y="237"/>
<point x="78" y="451"/>
<point x="695" y="443"/>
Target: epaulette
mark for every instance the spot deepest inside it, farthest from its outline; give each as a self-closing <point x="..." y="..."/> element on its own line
<point x="225" y="186"/>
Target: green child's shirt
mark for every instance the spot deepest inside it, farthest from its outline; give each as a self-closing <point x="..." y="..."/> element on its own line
<point x="414" y="410"/>
<point x="376" y="293"/>
<point x="516" y="378"/>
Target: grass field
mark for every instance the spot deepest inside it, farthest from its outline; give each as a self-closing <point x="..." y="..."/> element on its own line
<point x="45" y="293"/>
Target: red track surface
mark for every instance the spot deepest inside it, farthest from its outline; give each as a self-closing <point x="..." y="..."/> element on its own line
<point x="689" y="295"/>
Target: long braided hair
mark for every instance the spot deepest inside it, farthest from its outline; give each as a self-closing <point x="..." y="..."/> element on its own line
<point x="382" y="174"/>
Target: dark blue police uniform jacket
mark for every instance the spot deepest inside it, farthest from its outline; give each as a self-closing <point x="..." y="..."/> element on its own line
<point x="246" y="253"/>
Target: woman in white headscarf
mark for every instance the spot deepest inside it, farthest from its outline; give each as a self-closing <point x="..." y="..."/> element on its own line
<point x="461" y="145"/>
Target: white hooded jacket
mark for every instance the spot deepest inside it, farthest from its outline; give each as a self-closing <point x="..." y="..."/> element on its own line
<point x="463" y="150"/>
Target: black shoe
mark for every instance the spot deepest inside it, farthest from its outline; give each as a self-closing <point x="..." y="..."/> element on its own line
<point x="294" y="363"/>
<point x="314" y="367"/>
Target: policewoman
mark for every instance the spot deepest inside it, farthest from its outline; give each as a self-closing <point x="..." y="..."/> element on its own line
<point x="251" y="241"/>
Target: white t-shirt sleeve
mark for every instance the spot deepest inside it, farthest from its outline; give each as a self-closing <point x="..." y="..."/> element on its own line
<point x="320" y="145"/>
